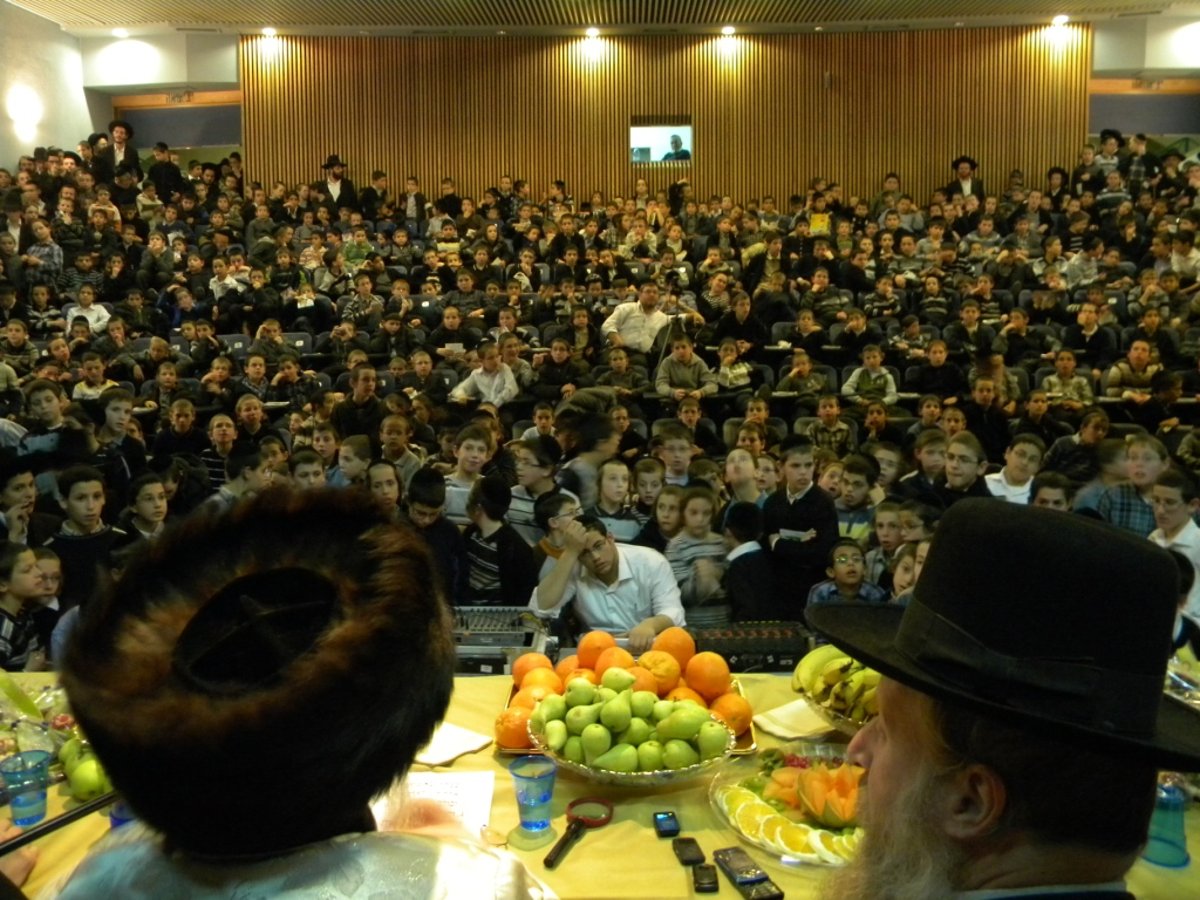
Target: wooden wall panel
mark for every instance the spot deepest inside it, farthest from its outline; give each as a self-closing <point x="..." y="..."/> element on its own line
<point x="768" y="112"/>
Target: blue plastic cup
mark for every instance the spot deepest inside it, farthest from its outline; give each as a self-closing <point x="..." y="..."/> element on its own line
<point x="1167" y="844"/>
<point x="533" y="779"/>
<point x="26" y="776"/>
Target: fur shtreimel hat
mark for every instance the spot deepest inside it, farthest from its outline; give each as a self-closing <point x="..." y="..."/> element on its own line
<point x="964" y="159"/>
<point x="296" y="650"/>
<point x="1077" y="651"/>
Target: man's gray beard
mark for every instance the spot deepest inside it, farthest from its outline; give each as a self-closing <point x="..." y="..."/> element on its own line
<point x="903" y="856"/>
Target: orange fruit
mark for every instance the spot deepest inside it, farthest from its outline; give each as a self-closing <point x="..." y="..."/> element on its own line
<point x="734" y="710"/>
<point x="708" y="675"/>
<point x="591" y="645"/>
<point x="613" y="656"/>
<point x="586" y="674"/>
<point x="527" y="662"/>
<point x="677" y="642"/>
<point x="566" y="666"/>
<point x="529" y="697"/>
<point x="665" y="668"/>
<point x="684" y="693"/>
<point x="512" y="728"/>
<point x="545" y="678"/>
<point x="645" y="679"/>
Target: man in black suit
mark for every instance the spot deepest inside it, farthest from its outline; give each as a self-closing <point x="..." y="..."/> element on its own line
<point x="983" y="695"/>
<point x="338" y="188"/>
<point x="965" y="182"/>
<point x="119" y="151"/>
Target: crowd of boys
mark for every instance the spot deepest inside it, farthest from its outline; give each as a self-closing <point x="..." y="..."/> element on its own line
<point x="626" y="412"/>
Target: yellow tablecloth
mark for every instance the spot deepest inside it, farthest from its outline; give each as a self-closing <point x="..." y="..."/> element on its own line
<point x="624" y="859"/>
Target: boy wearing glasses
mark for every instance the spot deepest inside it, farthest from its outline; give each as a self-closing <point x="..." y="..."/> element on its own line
<point x="847" y="582"/>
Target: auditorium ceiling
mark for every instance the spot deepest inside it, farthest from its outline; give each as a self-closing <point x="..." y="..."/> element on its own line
<point x="566" y="17"/>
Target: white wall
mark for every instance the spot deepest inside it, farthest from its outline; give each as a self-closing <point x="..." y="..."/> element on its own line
<point x="145" y="64"/>
<point x="41" y="84"/>
<point x="1151" y="47"/>
<point x="1173" y="44"/>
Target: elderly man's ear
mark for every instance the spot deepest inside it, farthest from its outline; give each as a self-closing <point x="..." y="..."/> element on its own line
<point x="972" y="804"/>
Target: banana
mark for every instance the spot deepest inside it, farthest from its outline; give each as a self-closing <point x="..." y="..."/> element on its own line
<point x="836" y="669"/>
<point x="810" y="666"/>
<point x="855" y="685"/>
<point x="870" y="702"/>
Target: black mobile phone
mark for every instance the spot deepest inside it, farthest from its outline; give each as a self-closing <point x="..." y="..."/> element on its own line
<point x="665" y="824"/>
<point x="761" y="890"/>
<point x="688" y="851"/>
<point x="704" y="879"/>
<point x="738" y="866"/>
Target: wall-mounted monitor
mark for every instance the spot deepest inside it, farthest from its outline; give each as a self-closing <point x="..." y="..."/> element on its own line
<point x="660" y="143"/>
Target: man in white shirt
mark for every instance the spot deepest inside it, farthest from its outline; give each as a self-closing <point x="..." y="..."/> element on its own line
<point x="618" y="588"/>
<point x="635" y="324"/>
<point x="1022" y="460"/>
<point x="1185" y="258"/>
<point x="1176" y="500"/>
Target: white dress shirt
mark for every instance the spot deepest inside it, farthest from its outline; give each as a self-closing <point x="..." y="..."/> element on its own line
<point x="645" y="587"/>
<point x="636" y="328"/>
<point x="1187" y="542"/>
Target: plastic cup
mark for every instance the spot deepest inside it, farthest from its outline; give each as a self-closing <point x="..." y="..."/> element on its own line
<point x="26" y="776"/>
<point x="1167" y="844"/>
<point x="533" y="779"/>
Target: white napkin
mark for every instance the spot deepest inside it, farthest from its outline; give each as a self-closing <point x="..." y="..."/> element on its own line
<point x="449" y="742"/>
<point x="793" y="721"/>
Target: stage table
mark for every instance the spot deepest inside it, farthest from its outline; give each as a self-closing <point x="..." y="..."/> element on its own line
<point x="625" y="859"/>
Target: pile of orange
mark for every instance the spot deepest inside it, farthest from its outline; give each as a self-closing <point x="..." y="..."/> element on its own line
<point x="671" y="668"/>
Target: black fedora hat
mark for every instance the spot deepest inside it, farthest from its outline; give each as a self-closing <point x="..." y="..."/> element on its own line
<point x="1107" y="133"/>
<point x="1048" y="621"/>
<point x="121" y="123"/>
<point x="332" y="161"/>
<point x="970" y="161"/>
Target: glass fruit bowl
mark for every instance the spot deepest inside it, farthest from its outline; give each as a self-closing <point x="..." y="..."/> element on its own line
<point x="648" y="779"/>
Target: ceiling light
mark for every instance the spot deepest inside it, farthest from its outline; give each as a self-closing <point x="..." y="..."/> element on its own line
<point x="120" y="33"/>
<point x="728" y="30"/>
<point x="269" y="32"/>
<point x="1060" y="20"/>
<point x="819" y="28"/>
<point x="958" y="24"/>
<point x="593" y="32"/>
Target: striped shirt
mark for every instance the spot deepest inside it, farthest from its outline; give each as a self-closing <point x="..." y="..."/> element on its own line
<point x="18" y="639"/>
<point x="483" y="567"/>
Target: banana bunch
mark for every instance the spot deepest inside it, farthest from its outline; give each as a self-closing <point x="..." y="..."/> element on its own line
<point x="838" y="683"/>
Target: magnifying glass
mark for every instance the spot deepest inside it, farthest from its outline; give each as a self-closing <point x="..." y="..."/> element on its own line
<point x="582" y="814"/>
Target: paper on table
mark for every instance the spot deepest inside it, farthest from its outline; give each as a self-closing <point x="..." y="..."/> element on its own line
<point x="793" y="721"/>
<point x="468" y="795"/>
<point x="449" y="742"/>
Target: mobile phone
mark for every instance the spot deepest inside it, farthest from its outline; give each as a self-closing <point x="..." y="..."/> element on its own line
<point x="761" y="890"/>
<point x="738" y="866"/>
<point x="665" y="824"/>
<point x="704" y="879"/>
<point x="687" y="851"/>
